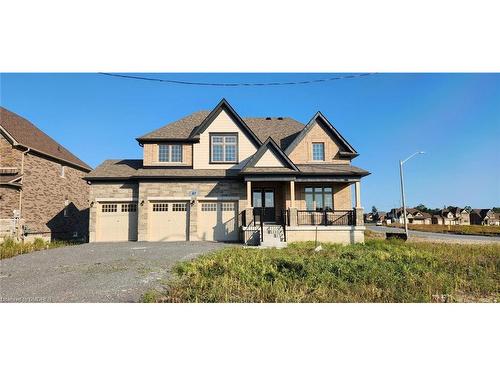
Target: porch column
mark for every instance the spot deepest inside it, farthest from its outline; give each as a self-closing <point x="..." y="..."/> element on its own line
<point x="293" y="210"/>
<point x="358" y="210"/>
<point x="357" y="189"/>
<point x="249" y="210"/>
<point x="292" y="194"/>
<point x="249" y="194"/>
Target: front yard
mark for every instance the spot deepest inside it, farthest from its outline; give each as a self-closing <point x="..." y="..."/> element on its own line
<point x="480" y="230"/>
<point x="378" y="271"/>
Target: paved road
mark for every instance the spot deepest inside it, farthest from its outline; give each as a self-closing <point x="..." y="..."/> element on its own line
<point x="441" y="237"/>
<point x="102" y="272"/>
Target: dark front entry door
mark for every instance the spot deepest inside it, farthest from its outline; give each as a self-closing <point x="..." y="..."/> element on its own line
<point x="263" y="205"/>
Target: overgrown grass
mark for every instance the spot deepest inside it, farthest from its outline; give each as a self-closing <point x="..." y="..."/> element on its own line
<point x="378" y="271"/>
<point x="10" y="248"/>
<point x="482" y="230"/>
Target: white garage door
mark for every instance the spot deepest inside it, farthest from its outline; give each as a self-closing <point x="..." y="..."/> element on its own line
<point x="168" y="221"/>
<point x="218" y="221"/>
<point x="116" y="222"/>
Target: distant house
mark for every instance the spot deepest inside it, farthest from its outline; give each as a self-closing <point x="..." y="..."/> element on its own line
<point x="381" y="217"/>
<point x="484" y="216"/>
<point x="452" y="216"/>
<point x="413" y="215"/>
<point x="42" y="191"/>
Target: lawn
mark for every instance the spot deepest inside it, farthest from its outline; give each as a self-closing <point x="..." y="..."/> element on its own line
<point x="377" y="271"/>
<point x="482" y="230"/>
<point x="10" y="248"/>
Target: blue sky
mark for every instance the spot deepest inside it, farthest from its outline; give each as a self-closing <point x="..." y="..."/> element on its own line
<point x="455" y="118"/>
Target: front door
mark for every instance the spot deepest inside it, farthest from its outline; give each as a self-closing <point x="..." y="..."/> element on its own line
<point x="263" y="204"/>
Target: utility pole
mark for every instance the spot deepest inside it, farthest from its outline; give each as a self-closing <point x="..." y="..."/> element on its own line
<point x="401" y="162"/>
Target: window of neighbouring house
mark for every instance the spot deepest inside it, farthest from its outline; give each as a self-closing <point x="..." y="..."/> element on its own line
<point x="318" y="198"/>
<point x="170" y="153"/>
<point x="224" y="148"/>
<point x="318" y="151"/>
<point x="63" y="171"/>
<point x="66" y="204"/>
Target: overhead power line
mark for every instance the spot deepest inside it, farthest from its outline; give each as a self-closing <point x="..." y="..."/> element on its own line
<point x="306" y="82"/>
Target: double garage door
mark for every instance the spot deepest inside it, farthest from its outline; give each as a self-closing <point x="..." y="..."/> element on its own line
<point x="169" y="221"/>
<point x="215" y="221"/>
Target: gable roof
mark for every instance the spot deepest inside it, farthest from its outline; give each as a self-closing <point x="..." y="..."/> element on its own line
<point x="23" y="132"/>
<point x="282" y="129"/>
<point x="180" y="129"/>
<point x="270" y="145"/>
<point x="320" y="119"/>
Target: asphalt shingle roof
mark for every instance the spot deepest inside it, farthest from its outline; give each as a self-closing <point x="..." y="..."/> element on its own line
<point x="28" y="135"/>
<point x="281" y="130"/>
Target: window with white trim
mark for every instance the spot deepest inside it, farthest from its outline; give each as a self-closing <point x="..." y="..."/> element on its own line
<point x="109" y="207"/>
<point x="318" y="151"/>
<point x="63" y="171"/>
<point x="129" y="207"/>
<point x="224" y="148"/>
<point x="157" y="207"/>
<point x="209" y="206"/>
<point x="227" y="206"/>
<point x="170" y="153"/>
<point x="178" y="206"/>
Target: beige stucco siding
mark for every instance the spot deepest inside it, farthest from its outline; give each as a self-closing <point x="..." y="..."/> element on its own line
<point x="151" y="155"/>
<point x="222" y="124"/>
<point x="269" y="160"/>
<point x="302" y="154"/>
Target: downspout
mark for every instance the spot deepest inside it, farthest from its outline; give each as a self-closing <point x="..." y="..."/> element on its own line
<point x="21" y="189"/>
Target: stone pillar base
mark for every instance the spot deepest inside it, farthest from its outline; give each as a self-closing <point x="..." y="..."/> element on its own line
<point x="292" y="216"/>
<point x="249" y="216"/>
<point x="358" y="216"/>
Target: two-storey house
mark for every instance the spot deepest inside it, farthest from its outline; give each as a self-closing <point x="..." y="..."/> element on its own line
<point x="215" y="176"/>
<point x="42" y="191"/>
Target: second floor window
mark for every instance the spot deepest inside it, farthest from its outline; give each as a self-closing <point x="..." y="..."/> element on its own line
<point x="170" y="153"/>
<point x="224" y="148"/>
<point x="318" y="151"/>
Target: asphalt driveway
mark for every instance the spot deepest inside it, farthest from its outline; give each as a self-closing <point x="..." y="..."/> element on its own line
<point x="97" y="272"/>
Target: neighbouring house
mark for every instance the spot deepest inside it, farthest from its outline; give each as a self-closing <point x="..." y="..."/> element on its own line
<point x="452" y="216"/>
<point x="413" y="216"/>
<point x="42" y="191"/>
<point x="215" y="176"/>
<point x="484" y="216"/>
<point x="381" y="216"/>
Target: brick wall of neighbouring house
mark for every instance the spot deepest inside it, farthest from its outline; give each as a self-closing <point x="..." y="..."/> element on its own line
<point x="44" y="196"/>
<point x="9" y="156"/>
<point x="106" y="190"/>
<point x="9" y="201"/>
<point x="211" y="189"/>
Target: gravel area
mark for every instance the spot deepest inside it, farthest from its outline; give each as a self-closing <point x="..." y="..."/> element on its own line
<point x="438" y="237"/>
<point x="97" y="272"/>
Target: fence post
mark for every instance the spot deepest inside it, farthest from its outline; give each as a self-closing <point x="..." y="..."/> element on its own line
<point x="325" y="217"/>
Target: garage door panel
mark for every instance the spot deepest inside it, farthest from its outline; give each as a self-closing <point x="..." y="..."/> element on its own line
<point x="169" y="221"/>
<point x="117" y="222"/>
<point x="217" y="221"/>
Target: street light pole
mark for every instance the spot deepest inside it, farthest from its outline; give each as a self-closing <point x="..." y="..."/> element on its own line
<point x="403" y="201"/>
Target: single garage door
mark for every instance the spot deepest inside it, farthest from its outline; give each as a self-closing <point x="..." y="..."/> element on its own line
<point x="168" y="221"/>
<point x="117" y="222"/>
<point x="218" y="221"/>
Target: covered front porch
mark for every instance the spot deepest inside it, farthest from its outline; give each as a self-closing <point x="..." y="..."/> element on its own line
<point x="299" y="208"/>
